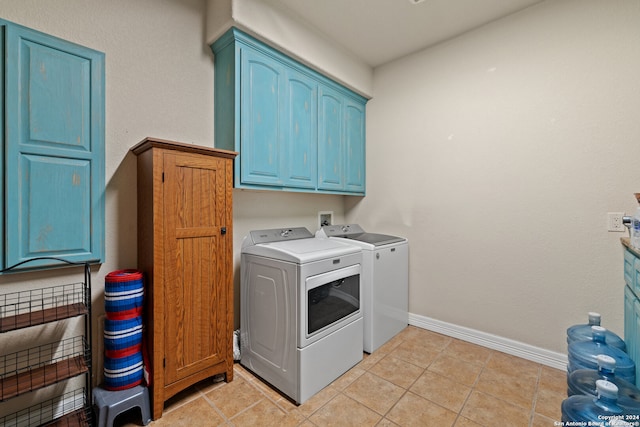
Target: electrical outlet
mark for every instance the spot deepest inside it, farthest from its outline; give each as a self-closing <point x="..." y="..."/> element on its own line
<point x="614" y="221"/>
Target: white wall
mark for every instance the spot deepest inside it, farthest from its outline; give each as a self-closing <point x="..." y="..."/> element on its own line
<point x="499" y="154"/>
<point x="299" y="39"/>
<point x="292" y="36"/>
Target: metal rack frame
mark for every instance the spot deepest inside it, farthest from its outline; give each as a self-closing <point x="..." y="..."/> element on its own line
<point x="43" y="365"/>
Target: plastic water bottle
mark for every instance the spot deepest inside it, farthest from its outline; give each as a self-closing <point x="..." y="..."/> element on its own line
<point x="583" y="381"/>
<point x="582" y="355"/>
<point x="602" y="410"/>
<point x="583" y="333"/>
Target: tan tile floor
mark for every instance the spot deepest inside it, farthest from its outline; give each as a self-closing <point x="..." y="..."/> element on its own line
<point x="419" y="378"/>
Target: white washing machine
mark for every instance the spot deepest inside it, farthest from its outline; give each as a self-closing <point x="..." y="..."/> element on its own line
<point x="300" y="309"/>
<point x="385" y="280"/>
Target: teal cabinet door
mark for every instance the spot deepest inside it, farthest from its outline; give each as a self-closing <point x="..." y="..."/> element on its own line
<point x="294" y="128"/>
<point x="632" y="308"/>
<point x="54" y="145"/>
<point x="631" y="331"/>
<point x="635" y="339"/>
<point x="261" y="109"/>
<point x="2" y="136"/>
<point x="330" y="141"/>
<point x="355" y="147"/>
<point x="341" y="143"/>
<point x="301" y="131"/>
<point x="278" y="126"/>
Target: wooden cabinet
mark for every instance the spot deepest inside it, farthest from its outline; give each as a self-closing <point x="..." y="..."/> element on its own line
<point x="52" y="137"/>
<point x="294" y="129"/>
<point x="185" y="250"/>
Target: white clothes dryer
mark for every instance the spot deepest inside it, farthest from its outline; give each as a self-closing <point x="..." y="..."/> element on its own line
<point x="300" y="311"/>
<point x="385" y="280"/>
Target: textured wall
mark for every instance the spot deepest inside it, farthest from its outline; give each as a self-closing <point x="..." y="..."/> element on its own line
<point x="502" y="152"/>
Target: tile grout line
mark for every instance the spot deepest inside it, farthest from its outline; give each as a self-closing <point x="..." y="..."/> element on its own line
<point x="472" y="388"/>
<point x="215" y="407"/>
<point x="384" y="416"/>
<point x="532" y="415"/>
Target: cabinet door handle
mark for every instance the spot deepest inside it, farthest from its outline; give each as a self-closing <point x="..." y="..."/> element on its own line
<point x="223" y="230"/>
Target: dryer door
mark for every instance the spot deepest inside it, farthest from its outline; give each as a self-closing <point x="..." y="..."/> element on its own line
<point x="331" y="300"/>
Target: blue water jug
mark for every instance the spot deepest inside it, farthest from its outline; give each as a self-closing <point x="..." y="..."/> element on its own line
<point x="583" y="333"/>
<point x="583" y="381"/>
<point x="582" y="355"/>
<point x="602" y="410"/>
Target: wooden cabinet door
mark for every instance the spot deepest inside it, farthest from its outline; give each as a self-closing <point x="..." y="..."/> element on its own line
<point x="195" y="288"/>
<point x="330" y="141"/>
<point x="300" y="140"/>
<point x="262" y="110"/>
<point x="54" y="100"/>
<point x="354" y="147"/>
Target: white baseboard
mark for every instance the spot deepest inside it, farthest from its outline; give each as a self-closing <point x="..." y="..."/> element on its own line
<point x="494" y="342"/>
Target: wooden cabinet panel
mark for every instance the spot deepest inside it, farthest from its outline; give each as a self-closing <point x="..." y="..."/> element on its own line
<point x="261" y="110"/>
<point x="330" y="145"/>
<point x="54" y="168"/>
<point x="341" y="145"/>
<point x="354" y="137"/>
<point x="195" y="294"/>
<point x="185" y="249"/>
<point x="300" y="140"/>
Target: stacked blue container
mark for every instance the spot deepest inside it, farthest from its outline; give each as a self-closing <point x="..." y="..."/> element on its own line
<point x="583" y="382"/>
<point x="583" y="333"/>
<point x="123" y="362"/>
<point x="603" y="410"/>
<point x="582" y="355"/>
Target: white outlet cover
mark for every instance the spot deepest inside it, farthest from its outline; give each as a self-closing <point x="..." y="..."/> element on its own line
<point x="614" y="221"/>
<point x="325" y="218"/>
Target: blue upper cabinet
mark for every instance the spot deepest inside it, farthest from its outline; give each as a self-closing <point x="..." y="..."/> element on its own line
<point x="261" y="125"/>
<point x="354" y="138"/>
<point x="54" y="148"/>
<point x="294" y="129"/>
<point x="301" y="131"/>
<point x="331" y="149"/>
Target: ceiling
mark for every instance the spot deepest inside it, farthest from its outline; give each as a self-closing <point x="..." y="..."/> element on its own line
<point x="379" y="31"/>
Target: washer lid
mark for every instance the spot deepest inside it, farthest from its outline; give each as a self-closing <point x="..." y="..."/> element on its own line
<point x="375" y="239"/>
<point x="298" y="250"/>
<point x="355" y="232"/>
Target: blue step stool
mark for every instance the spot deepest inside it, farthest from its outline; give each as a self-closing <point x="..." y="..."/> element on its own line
<point x="109" y="404"/>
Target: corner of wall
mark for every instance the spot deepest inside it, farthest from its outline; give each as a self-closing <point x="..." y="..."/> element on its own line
<point x="218" y="19"/>
<point x="293" y="37"/>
